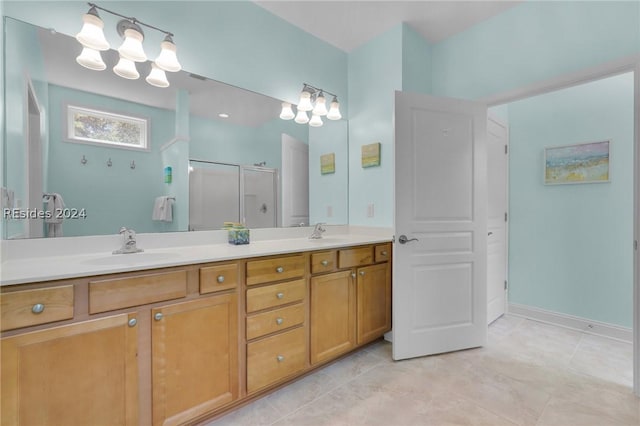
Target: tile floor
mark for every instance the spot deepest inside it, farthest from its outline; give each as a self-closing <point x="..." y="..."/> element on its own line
<point x="528" y="374"/>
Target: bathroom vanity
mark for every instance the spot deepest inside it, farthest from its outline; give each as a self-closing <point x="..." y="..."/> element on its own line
<point x="181" y="342"/>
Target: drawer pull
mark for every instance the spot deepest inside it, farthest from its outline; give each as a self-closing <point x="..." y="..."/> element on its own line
<point x="384" y="252"/>
<point x="353" y="275"/>
<point x="132" y="322"/>
<point x="325" y="262"/>
<point x="220" y="279"/>
<point x="38" y="308"/>
<point x="280" y="295"/>
<point x="362" y="273"/>
<point x="158" y="316"/>
<point x="280" y="358"/>
<point x="279" y="321"/>
<point x="279" y="269"/>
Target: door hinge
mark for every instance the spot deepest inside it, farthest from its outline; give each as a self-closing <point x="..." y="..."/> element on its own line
<point x="505" y="285"/>
<point x="506" y="149"/>
<point x="506" y="216"/>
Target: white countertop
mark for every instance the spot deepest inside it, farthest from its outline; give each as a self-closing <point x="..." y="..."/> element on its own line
<point x="46" y="268"/>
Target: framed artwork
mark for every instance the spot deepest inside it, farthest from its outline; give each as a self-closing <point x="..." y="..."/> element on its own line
<point x="327" y="163"/>
<point x="371" y="155"/>
<point x="581" y="163"/>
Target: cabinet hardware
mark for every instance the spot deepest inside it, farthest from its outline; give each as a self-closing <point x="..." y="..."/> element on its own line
<point x="280" y="358"/>
<point x="324" y="262"/>
<point x="158" y="316"/>
<point x="280" y="295"/>
<point x="279" y="321"/>
<point x="220" y="279"/>
<point x="38" y="308"/>
<point x="132" y="322"/>
<point x="362" y="273"/>
<point x="279" y="269"/>
<point x="384" y="253"/>
<point x="353" y="275"/>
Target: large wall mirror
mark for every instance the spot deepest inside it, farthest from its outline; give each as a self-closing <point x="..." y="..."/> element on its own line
<point x="213" y="152"/>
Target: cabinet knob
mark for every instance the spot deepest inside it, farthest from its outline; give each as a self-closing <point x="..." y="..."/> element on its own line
<point x="384" y="252"/>
<point x="38" y="308"/>
<point x="353" y="275"/>
<point x="279" y="321"/>
<point x="132" y="322"/>
<point x="280" y="358"/>
<point x="279" y="269"/>
<point x="324" y="262"/>
<point x="362" y="273"/>
<point x="220" y="279"/>
<point x="158" y="316"/>
<point x="280" y="295"/>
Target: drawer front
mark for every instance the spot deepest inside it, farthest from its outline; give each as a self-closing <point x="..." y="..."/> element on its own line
<point x="32" y="307"/>
<point x="274" y="358"/>
<point x="349" y="258"/>
<point x="218" y="278"/>
<point x="119" y="293"/>
<point x="276" y="320"/>
<point x="275" y="295"/>
<point x="276" y="269"/>
<point x="323" y="262"/>
<point x="383" y="252"/>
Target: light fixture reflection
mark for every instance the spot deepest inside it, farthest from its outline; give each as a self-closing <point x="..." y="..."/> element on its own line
<point x="334" y="111"/>
<point x="302" y="117"/>
<point x="132" y="45"/>
<point x="315" y="121"/>
<point x="287" y="111"/>
<point x="126" y="68"/>
<point x="91" y="34"/>
<point x="92" y="59"/>
<point x="157" y="77"/>
<point x="167" y="60"/>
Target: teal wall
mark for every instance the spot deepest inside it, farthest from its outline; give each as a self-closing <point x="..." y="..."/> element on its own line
<point x="416" y="62"/>
<point x="570" y="245"/>
<point x="533" y="42"/>
<point x="130" y="192"/>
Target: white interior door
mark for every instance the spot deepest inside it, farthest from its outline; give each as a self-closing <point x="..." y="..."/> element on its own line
<point x="439" y="275"/>
<point x="497" y="175"/>
<point x="295" y="182"/>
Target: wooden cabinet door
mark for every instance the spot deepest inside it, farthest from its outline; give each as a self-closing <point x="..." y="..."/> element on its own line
<point x="78" y="374"/>
<point x="194" y="358"/>
<point x="333" y="320"/>
<point x="374" y="301"/>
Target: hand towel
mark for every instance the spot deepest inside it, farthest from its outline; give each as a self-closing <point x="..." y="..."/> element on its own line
<point x="162" y="209"/>
<point x="55" y="205"/>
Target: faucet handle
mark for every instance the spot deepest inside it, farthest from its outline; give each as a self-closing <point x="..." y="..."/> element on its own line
<point x="122" y="230"/>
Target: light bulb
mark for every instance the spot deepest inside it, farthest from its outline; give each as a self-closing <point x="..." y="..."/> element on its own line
<point x="334" y="111"/>
<point x="287" y="112"/>
<point x="167" y="60"/>
<point x="157" y="77"/>
<point x="91" y="34"/>
<point x="305" y="101"/>
<point x="132" y="45"/>
<point x="126" y="68"/>
<point x="302" y="117"/>
<point x="91" y="58"/>
<point x="321" y="105"/>
<point x="315" y="121"/>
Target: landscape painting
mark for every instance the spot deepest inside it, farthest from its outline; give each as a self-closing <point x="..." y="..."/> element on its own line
<point x="583" y="163"/>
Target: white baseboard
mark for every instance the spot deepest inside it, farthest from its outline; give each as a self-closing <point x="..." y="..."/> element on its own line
<point x="575" y="323"/>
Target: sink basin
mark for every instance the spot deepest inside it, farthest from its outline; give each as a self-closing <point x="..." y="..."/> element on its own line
<point x="130" y="259"/>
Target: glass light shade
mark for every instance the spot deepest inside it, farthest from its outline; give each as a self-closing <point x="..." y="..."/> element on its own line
<point x="287" y="112"/>
<point x="91" y="58"/>
<point x="91" y="34"/>
<point x="315" y="121"/>
<point x="302" y="117"/>
<point x="321" y="105"/>
<point x="126" y="68"/>
<point x="132" y="46"/>
<point x="334" y="111"/>
<point x="305" y="101"/>
<point x="167" y="60"/>
<point x="157" y="77"/>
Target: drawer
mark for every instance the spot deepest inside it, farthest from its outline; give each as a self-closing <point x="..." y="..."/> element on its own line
<point x="276" y="269"/>
<point x="349" y="258"/>
<point x="274" y="358"/>
<point x="119" y="293"/>
<point x="383" y="252"/>
<point x="218" y="277"/>
<point x="24" y="308"/>
<point x="276" y="320"/>
<point x="275" y="295"/>
<point x="323" y="262"/>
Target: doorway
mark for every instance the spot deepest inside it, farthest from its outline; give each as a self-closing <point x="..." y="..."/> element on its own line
<point x="34" y="228"/>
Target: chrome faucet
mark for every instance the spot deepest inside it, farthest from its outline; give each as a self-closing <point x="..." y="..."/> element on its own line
<point x="318" y="230"/>
<point x="128" y="243"/>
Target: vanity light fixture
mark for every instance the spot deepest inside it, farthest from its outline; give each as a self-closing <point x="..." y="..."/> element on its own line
<point x="131" y="51"/>
<point x="312" y="99"/>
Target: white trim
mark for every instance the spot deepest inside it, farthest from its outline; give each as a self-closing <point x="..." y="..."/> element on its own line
<point x="570" y="321"/>
<point x="636" y="233"/>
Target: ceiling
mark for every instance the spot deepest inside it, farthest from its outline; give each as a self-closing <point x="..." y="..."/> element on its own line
<point x="349" y="24"/>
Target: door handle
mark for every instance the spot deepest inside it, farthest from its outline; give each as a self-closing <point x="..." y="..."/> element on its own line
<point x="404" y="240"/>
<point x="490" y="234"/>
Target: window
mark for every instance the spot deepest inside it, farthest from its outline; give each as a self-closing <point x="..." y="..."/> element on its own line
<point x="86" y="125"/>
